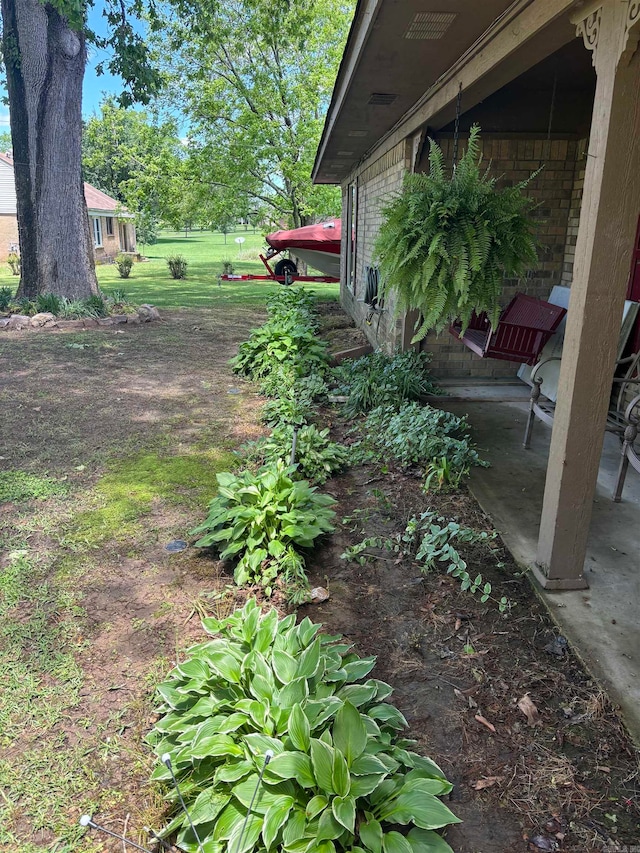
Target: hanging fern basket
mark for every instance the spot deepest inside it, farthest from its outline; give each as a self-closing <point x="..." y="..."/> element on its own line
<point x="448" y="241"/>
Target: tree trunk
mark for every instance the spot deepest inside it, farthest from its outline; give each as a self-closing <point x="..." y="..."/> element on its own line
<point x="45" y="61"/>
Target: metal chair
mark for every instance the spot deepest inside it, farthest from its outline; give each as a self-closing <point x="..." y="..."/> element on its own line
<point x="622" y="419"/>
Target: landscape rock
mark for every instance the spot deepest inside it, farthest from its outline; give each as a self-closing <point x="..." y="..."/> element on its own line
<point x="19" y="321"/>
<point x="89" y="322"/>
<point x="105" y="321"/>
<point x="118" y="319"/>
<point x="4" y="322"/>
<point x="42" y="319"/>
<point x="133" y="318"/>
<point x="148" y="313"/>
<point x="71" y="324"/>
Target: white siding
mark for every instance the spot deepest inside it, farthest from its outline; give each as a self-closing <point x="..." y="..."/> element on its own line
<point x="7" y="189"/>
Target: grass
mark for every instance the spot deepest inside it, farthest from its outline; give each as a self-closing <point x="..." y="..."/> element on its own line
<point x="205" y="252"/>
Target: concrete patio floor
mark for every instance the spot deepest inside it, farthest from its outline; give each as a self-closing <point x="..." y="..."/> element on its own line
<point x="601" y="623"/>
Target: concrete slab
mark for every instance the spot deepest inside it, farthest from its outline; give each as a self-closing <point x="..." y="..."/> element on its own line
<point x="497" y="392"/>
<point x="601" y="622"/>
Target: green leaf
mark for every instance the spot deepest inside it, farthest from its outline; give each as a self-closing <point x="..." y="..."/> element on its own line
<point x="419" y="807"/>
<point x="315" y="806"/>
<point x="322" y="762"/>
<point x="294" y="827"/>
<point x="340" y="775"/>
<point x="427" y="841"/>
<point x="284" y="666"/>
<point x="208" y="805"/>
<point x="292" y="765"/>
<point x="245" y="835"/>
<point x="215" y="746"/>
<point x="393" y="842"/>
<point x="349" y="732"/>
<point x="293" y="693"/>
<point x="388" y="714"/>
<point x="371" y="835"/>
<point x="259" y="744"/>
<point x="328" y="827"/>
<point x="344" y="811"/>
<point x="299" y="730"/>
<point x="367" y="764"/>
<point x="232" y="817"/>
<point x="362" y="786"/>
<point x="274" y="819"/>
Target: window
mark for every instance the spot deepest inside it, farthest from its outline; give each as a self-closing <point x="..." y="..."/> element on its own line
<point x="352" y="212"/>
<point x="97" y="232"/>
<point x="109" y="226"/>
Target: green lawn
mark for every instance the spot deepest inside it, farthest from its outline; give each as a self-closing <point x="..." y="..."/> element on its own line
<point x="205" y="251"/>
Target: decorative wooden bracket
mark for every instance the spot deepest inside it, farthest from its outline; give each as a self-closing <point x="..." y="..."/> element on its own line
<point x="631" y="32"/>
<point x="589" y="29"/>
<point x="588" y="20"/>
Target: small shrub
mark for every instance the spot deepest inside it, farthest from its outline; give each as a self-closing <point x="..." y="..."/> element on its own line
<point x="287" y="410"/>
<point x="6" y="297"/>
<point x="341" y="778"/>
<point x="177" y="266"/>
<point x="123" y="265"/>
<point x="317" y="457"/>
<point x="118" y="296"/>
<point x="25" y="306"/>
<point x="72" y="309"/>
<point x="278" y="343"/>
<point x="227" y="267"/>
<point x="95" y="306"/>
<point x="13" y="259"/>
<point x="379" y="380"/>
<point x="262" y="519"/>
<point x="48" y="302"/>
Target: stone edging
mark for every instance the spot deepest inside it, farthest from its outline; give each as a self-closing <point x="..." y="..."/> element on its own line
<point x="45" y="320"/>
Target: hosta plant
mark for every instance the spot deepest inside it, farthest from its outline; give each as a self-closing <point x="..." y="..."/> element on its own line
<point x="262" y="520"/>
<point x="277" y="343"/>
<point x="316" y="457"/>
<point x="449" y="238"/>
<point x="341" y="778"/>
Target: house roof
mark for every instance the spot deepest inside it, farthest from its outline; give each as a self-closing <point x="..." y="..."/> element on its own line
<point x="398" y="54"/>
<point x="97" y="201"/>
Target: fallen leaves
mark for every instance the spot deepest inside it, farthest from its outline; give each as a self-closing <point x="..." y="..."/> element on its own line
<point x="484" y="722"/>
<point x="486" y="782"/>
<point x="529" y="709"/>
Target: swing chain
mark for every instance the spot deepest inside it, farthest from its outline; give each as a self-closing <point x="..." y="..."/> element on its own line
<point x="456" y="131"/>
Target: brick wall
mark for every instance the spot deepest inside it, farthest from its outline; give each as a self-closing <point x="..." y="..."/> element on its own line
<point x="375" y="184"/>
<point x="8" y="234"/>
<point x="574" y="212"/>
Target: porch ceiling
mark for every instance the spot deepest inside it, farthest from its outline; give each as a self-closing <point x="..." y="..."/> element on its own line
<point x="389" y="64"/>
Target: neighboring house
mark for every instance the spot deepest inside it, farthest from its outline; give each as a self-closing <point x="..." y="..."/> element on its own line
<point x="112" y="226"/>
<point x="553" y="84"/>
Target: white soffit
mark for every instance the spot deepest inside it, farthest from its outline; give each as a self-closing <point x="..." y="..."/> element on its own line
<point x="430" y="25"/>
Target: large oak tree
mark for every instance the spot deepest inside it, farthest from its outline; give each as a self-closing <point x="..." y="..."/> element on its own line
<point x="45" y="52"/>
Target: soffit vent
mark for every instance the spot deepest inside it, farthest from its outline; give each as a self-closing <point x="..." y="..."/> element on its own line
<point x="344" y="153"/>
<point x="355" y="133"/>
<point x="381" y="99"/>
<point x="430" y="25"/>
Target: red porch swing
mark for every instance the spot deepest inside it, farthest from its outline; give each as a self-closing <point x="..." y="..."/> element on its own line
<point x="524" y="327"/>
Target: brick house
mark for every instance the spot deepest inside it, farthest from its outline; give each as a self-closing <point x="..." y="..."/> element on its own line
<point x="112" y="226"/>
<point x="552" y="83"/>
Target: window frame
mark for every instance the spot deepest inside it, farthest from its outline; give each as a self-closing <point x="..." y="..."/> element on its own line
<point x="109" y="226"/>
<point x="97" y="233"/>
<point x="351" y="236"/>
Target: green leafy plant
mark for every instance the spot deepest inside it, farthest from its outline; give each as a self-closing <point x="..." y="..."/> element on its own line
<point x="123" y="265"/>
<point x="435" y="538"/>
<point x="13" y="259"/>
<point x="263" y="518"/>
<point x="227" y="267"/>
<point x="6" y="296"/>
<point x="177" y="266"/>
<point x="448" y="240"/>
<point x="288" y="410"/>
<point x="441" y="475"/>
<point x="48" y="302"/>
<point x="24" y="305"/>
<point x="96" y="306"/>
<point x="281" y="342"/>
<point x="341" y="777"/>
<point x="380" y="380"/>
<point x="317" y="457"/>
<point x="417" y="434"/>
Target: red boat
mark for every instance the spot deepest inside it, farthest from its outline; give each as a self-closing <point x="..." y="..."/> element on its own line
<point x="316" y="245"/>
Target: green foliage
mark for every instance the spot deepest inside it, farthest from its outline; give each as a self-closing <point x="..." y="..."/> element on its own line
<point x="6" y="297"/>
<point x="227" y="267"/>
<point x="13" y="259"/>
<point x="435" y="548"/>
<point x="256" y="116"/>
<point x="379" y="380"/>
<point x="446" y="243"/>
<point x="263" y="518"/>
<point x="317" y="457"/>
<point x="49" y="302"/>
<point x="288" y="410"/>
<point x="177" y="266"/>
<point x="123" y="265"/>
<point x="25" y="306"/>
<point x="417" y="434"/>
<point x="442" y="475"/>
<point x="341" y="777"/>
<point x="20" y="486"/>
<point x="117" y="297"/>
<point x="278" y="342"/>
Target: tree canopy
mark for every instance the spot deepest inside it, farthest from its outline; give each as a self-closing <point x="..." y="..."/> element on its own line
<point x="253" y="80"/>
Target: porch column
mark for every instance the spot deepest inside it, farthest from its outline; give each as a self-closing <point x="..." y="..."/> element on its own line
<point x="608" y="221"/>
